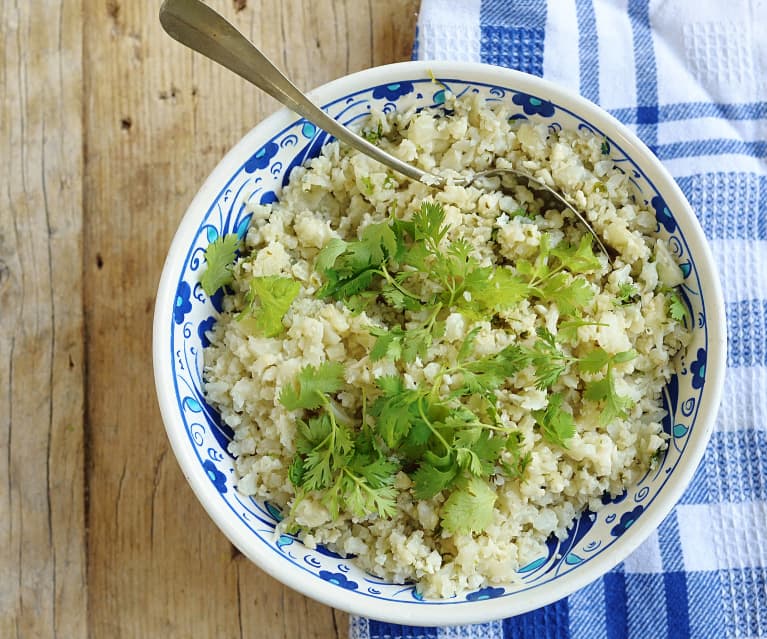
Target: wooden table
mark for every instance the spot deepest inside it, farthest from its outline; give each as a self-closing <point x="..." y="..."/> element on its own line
<point x="108" y="127"/>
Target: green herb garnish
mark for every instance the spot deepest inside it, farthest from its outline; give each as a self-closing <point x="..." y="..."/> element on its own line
<point x="627" y="293"/>
<point x="556" y="424"/>
<point x="373" y="136"/>
<point x="219" y="257"/>
<point x="677" y="309"/>
<point x="603" y="390"/>
<point x="267" y="301"/>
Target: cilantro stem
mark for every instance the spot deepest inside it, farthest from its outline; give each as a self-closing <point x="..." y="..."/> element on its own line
<point x="437" y="434"/>
<point x="535" y="281"/>
<point x="331" y="413"/>
<point x="383" y="272"/>
<point x="359" y="481"/>
<point x="430" y="324"/>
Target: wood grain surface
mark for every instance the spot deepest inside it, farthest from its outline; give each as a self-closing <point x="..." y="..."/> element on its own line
<point x="107" y="129"/>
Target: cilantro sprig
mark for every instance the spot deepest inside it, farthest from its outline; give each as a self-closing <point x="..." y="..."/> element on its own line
<point x="331" y="456"/>
<point x="219" y="258"/>
<point x="603" y="390"/>
<point x="445" y="441"/>
<point x="553" y="275"/>
<point x="268" y="299"/>
<point x="677" y="309"/>
<point x="556" y="424"/>
<point x="410" y="266"/>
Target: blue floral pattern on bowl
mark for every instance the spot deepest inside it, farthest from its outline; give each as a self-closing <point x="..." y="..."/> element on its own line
<point x="182" y="304"/>
<point x="216" y="476"/>
<point x="339" y="579"/>
<point x="533" y="106"/>
<point x="259" y="180"/>
<point x="626" y="521"/>
<point x="698" y="369"/>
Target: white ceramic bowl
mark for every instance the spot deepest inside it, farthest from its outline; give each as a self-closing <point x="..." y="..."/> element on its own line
<point x="255" y="170"/>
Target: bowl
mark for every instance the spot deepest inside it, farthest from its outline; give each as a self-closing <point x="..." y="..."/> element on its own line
<point x="254" y="171"/>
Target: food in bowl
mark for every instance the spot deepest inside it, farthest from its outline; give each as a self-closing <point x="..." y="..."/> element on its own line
<point x="439" y="381"/>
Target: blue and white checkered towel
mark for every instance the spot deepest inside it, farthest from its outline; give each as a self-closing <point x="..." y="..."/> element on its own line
<point x="690" y="77"/>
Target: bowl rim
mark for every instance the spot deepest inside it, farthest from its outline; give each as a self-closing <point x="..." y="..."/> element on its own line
<point x="478" y="611"/>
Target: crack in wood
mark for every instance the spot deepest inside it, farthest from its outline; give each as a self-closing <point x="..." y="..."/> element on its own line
<point x="155" y="488"/>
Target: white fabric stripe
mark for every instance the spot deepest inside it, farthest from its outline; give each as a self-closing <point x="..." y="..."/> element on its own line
<point x="450" y="35"/>
<point x="492" y="630"/>
<point x="617" y="77"/>
<point x="744" y="403"/>
<point x="706" y="128"/>
<point x="560" y="51"/>
<point x="646" y="558"/>
<point x="735" y="163"/>
<point x="742" y="268"/>
<point x="708" y="54"/>
<point x="714" y="536"/>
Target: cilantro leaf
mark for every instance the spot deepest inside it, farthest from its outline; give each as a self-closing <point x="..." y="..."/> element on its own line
<point x="396" y="410"/>
<point x="567" y="293"/>
<point x="311" y="385"/>
<point x="296" y="471"/>
<point x="676" y="307"/>
<point x="397" y="343"/>
<point x="516" y="469"/>
<point x="275" y="294"/>
<point x="429" y="480"/>
<point x="368" y="482"/>
<point x="594" y="361"/>
<point x="556" y="424"/>
<point x="568" y="330"/>
<point x="603" y="390"/>
<point x="547" y="359"/>
<point x="429" y="224"/>
<point x="482" y="449"/>
<point x="493" y="290"/>
<point x="350" y="267"/>
<point x="326" y="447"/>
<point x="468" y="344"/>
<point x="469" y="509"/>
<point x="380" y="241"/>
<point x="577" y="259"/>
<point x="488" y="373"/>
<point x="326" y="258"/>
<point x="627" y="293"/>
<point x="624" y="356"/>
<point x="361" y="499"/>
<point x="219" y="257"/>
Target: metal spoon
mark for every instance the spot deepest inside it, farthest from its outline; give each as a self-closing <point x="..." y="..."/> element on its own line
<point x="202" y="29"/>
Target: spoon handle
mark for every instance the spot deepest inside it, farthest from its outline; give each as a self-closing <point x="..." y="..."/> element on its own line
<point x="200" y="28"/>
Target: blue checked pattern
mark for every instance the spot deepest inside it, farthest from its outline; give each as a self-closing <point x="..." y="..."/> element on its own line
<point x="689" y="77"/>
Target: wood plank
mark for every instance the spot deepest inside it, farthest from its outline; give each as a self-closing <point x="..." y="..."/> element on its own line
<point x="157" y="121"/>
<point x="42" y="523"/>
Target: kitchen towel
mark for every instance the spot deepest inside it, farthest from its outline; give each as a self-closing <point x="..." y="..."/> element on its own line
<point x="690" y="78"/>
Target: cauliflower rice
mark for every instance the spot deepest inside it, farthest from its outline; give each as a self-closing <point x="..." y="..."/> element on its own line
<point x="340" y="193"/>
